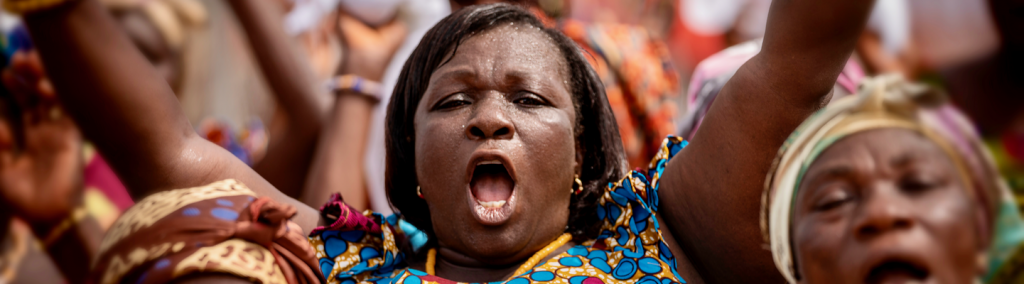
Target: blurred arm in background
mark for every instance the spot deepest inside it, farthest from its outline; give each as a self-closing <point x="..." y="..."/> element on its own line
<point x="296" y="89"/>
<point x="338" y="166"/>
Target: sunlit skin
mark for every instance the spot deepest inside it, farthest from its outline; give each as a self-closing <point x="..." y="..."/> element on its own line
<point x="886" y="196"/>
<point x="503" y="95"/>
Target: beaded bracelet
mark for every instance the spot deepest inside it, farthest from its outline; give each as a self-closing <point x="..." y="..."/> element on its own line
<point x="355" y="84"/>
<point x="21" y="7"/>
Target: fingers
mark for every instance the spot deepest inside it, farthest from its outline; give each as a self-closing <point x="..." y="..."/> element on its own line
<point x="30" y="88"/>
<point x="353" y="30"/>
<point x="393" y="34"/>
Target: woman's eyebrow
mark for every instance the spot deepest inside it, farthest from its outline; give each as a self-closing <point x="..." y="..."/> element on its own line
<point x="903" y="160"/>
<point x="840" y="170"/>
<point x="459" y="74"/>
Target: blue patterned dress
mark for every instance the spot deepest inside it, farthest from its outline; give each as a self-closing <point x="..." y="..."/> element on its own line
<point x="361" y="248"/>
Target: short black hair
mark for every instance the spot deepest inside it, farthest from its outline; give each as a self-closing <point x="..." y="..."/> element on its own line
<point x="597" y="134"/>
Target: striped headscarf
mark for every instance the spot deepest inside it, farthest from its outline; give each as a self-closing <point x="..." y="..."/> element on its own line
<point x="889" y="102"/>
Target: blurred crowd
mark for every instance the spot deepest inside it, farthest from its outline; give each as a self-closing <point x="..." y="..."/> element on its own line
<point x="257" y="78"/>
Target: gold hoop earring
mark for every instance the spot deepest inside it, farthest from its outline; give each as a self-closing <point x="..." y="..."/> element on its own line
<point x="578" y="189"/>
<point x="419" y="193"/>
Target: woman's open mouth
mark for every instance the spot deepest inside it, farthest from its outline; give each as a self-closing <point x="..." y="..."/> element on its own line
<point x="897" y="271"/>
<point x="491" y="189"/>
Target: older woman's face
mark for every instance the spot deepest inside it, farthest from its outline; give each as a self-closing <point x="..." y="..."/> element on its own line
<point x="885" y="206"/>
<point x="495" y="147"/>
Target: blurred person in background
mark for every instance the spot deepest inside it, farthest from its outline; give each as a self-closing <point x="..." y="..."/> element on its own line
<point x="50" y="227"/>
<point x="989" y="87"/>
<point x="159" y="30"/>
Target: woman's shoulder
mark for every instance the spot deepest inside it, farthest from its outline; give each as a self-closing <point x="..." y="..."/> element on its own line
<point x="362" y="246"/>
<point x="630" y="245"/>
<point x="642" y="186"/>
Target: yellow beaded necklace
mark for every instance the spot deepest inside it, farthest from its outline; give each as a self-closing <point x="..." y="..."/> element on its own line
<point x="529" y="264"/>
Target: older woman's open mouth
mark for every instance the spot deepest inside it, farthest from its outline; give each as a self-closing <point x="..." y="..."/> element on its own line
<point x="491" y="188"/>
<point x="898" y="271"/>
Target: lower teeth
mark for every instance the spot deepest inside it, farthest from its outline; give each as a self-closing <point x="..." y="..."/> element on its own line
<point x="491" y="204"/>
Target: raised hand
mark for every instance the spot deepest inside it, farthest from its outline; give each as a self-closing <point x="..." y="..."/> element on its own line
<point x="40" y="147"/>
<point x="368" y="50"/>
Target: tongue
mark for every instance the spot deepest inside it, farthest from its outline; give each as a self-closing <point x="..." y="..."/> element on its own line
<point x="491" y="183"/>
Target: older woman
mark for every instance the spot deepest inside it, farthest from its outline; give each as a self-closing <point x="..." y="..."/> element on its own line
<point x="890" y="185"/>
<point x="502" y="149"/>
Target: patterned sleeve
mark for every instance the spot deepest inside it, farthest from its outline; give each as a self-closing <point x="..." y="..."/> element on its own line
<point x="631" y="231"/>
<point x="357" y="247"/>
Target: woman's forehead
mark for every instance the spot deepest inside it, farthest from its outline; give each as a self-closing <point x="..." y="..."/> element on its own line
<point x="880" y="147"/>
<point x="511" y="49"/>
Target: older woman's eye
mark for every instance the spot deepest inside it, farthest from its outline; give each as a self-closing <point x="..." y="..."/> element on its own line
<point x="919" y="182"/>
<point x="833" y="199"/>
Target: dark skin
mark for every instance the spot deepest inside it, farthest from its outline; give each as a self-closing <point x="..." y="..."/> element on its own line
<point x="499" y="98"/>
<point x="807" y="44"/>
<point x="884" y="197"/>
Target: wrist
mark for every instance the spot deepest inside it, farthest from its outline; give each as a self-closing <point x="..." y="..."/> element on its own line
<point x="367" y="70"/>
<point x="355" y="85"/>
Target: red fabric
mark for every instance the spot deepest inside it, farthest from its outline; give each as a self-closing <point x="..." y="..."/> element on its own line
<point x="345" y="218"/>
<point x="99" y="175"/>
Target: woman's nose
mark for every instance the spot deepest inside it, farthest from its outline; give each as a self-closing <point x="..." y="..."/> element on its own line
<point x="885" y="211"/>
<point x="490" y="121"/>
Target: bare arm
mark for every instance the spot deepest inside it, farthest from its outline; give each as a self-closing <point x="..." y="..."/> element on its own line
<point x="712" y="190"/>
<point x="292" y="81"/>
<point x="338" y="166"/>
<point x="123" y="106"/>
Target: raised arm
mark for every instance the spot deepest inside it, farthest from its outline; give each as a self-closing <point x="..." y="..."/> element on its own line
<point x="338" y="166"/>
<point x="711" y="193"/>
<point x="123" y="106"/>
<point x="294" y="85"/>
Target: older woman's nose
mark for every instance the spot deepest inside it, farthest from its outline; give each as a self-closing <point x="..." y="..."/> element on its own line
<point x="490" y="121"/>
<point x="885" y="211"/>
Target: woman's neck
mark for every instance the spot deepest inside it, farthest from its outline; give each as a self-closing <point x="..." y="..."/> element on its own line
<point x="456" y="266"/>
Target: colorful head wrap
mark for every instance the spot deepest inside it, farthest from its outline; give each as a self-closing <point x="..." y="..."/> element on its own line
<point x="889" y="102"/>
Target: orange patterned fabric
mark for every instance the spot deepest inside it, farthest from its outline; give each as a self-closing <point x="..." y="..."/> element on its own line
<point x="639" y="79"/>
<point x="218" y="228"/>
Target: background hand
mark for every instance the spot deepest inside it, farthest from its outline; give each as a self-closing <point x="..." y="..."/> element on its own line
<point x="40" y="147"/>
<point x="368" y="50"/>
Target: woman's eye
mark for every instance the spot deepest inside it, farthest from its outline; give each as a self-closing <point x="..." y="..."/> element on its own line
<point x="529" y="100"/>
<point x="834" y="198"/>
<point x="452" y="102"/>
<point x="918" y="183"/>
